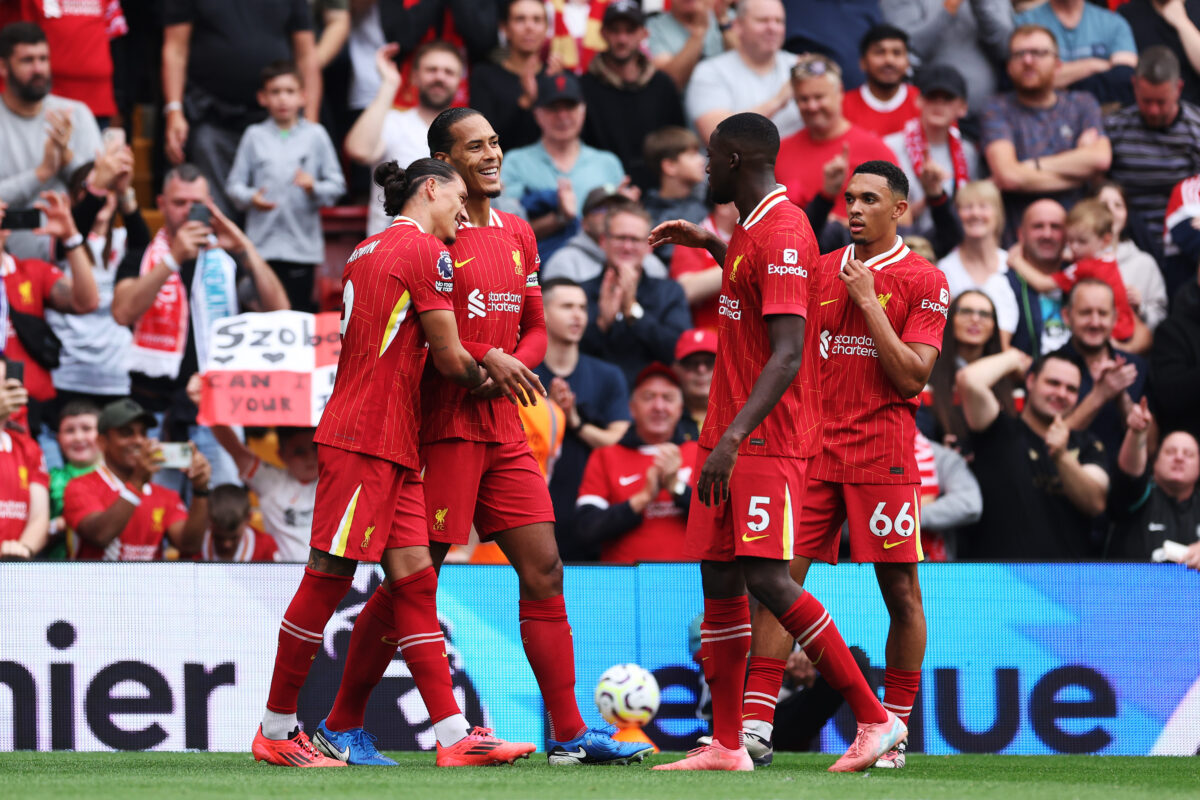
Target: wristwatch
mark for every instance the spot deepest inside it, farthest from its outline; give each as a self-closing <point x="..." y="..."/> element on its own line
<point x="636" y="311"/>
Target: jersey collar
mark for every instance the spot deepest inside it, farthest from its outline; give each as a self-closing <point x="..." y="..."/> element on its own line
<point x="244" y="551"/>
<point x="884" y="106"/>
<point x="400" y="219"/>
<point x="494" y="220"/>
<point x="6" y="442"/>
<point x="896" y="254"/>
<point x="777" y="195"/>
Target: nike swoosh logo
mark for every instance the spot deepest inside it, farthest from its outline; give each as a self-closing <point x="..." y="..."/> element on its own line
<point x="461" y="264"/>
<point x="340" y="755"/>
<point x="580" y="753"/>
<point x="748" y="538"/>
<point x="827" y="302"/>
<point x="820" y="655"/>
<point x="890" y="545"/>
<point x="625" y="480"/>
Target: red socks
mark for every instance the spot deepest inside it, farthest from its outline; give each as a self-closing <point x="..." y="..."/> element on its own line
<point x="810" y="623"/>
<point x="763" y="679"/>
<point x="900" y="690"/>
<point x="724" y="646"/>
<point x="414" y="608"/>
<point x="372" y="647"/>
<point x="301" y="634"/>
<point x="546" y="635"/>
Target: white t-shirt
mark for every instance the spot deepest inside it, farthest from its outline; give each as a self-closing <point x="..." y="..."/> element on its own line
<point x="404" y="141"/>
<point x="726" y="82"/>
<point x="287" y="509"/>
<point x="996" y="287"/>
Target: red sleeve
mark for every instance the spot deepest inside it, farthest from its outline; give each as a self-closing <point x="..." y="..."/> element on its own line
<point x="80" y="501"/>
<point x="49" y="275"/>
<point x="690" y="259"/>
<point x="478" y="350"/>
<point x="34" y="460"/>
<point x="1065" y="278"/>
<point x="594" y="486"/>
<point x="787" y="256"/>
<point x="927" y="310"/>
<point x="428" y="275"/>
<point x="531" y="347"/>
<point x="174" y="509"/>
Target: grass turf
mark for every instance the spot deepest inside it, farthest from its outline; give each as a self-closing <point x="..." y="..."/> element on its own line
<point x="128" y="776"/>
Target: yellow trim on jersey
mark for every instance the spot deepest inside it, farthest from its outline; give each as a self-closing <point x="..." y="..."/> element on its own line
<point x="393" y="324"/>
<point x="789" y="533"/>
<point x="917" y="529"/>
<point x="343" y="535"/>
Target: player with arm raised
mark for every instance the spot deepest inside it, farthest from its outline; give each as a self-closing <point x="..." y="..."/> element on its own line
<point x="477" y="463"/>
<point x="881" y="323"/>
<point x="370" y="501"/>
<point x="762" y="428"/>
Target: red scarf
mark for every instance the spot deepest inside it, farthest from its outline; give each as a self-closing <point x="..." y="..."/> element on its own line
<point x="916" y="146"/>
<point x="575" y="54"/>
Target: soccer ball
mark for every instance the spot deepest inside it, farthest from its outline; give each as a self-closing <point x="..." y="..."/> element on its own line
<point x="627" y="695"/>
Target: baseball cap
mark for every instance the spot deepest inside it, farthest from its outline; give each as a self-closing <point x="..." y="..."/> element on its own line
<point x="696" y="340"/>
<point x="630" y="10"/>
<point x="122" y="412"/>
<point x="597" y="199"/>
<point x="942" y="78"/>
<point x="656" y="369"/>
<point x="563" y="86"/>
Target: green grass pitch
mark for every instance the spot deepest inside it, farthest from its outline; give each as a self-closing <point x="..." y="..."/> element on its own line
<point x="181" y="776"/>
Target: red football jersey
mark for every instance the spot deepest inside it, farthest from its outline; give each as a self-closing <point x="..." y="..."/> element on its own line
<point x="1104" y="269"/>
<point x="21" y="465"/>
<point x="29" y="283"/>
<point x="767" y="270"/>
<point x="881" y="118"/>
<point x="495" y="271"/>
<point x="869" y="426"/>
<point x="388" y="281"/>
<point x="142" y="539"/>
<point x="616" y="473"/>
<point x="254" y="546"/>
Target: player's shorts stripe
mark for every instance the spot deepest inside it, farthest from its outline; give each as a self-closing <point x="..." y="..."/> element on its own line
<point x="393" y="324"/>
<point x="300" y="633"/>
<point x="917" y="526"/>
<point x="789" y="530"/>
<point x="711" y="631"/>
<point x="343" y="536"/>
<point x="806" y="638"/>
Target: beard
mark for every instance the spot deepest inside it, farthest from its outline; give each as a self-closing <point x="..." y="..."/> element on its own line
<point x="436" y="97"/>
<point x="32" y="91"/>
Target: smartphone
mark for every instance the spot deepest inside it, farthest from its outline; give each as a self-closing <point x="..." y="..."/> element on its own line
<point x="175" y="455"/>
<point x="114" y="136"/>
<point x="16" y="370"/>
<point x="199" y="213"/>
<point x="23" y="219"/>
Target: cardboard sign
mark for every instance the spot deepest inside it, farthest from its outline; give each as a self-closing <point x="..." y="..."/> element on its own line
<point x="270" y="369"/>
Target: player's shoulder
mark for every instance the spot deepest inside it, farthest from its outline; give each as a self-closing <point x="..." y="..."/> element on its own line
<point x="513" y="223"/>
<point x="833" y="258"/>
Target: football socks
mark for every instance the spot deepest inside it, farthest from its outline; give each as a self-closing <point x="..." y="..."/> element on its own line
<point x="724" y="647"/>
<point x="414" y="609"/>
<point x="763" y="679"/>
<point x="372" y="647"/>
<point x="546" y="635"/>
<point x="900" y="690"/>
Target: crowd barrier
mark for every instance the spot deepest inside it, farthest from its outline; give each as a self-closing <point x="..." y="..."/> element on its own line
<point x="1022" y="659"/>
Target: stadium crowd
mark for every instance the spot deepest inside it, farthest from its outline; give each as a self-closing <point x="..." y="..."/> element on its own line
<point x="1053" y="150"/>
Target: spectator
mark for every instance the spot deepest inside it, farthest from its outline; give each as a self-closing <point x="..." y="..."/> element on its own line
<point x="673" y="156"/>
<point x="833" y="28"/>
<point x="171" y="292"/>
<point x="1143" y="279"/>
<point x="505" y="91"/>
<point x="1181" y="235"/>
<point x="979" y="262"/>
<point x="698" y="273"/>
<point x="634" y="497"/>
<point x="1039" y="142"/>
<point x="79" y="33"/>
<point x="1112" y="380"/>
<point x="284" y="171"/>
<point x="932" y="151"/>
<point x="332" y="19"/>
<point x="1175" y="365"/>
<point x="31" y="286"/>
<point x="1042" y="482"/>
<point x="582" y="257"/>
<point x="751" y="77"/>
<point x="950" y="498"/>
<point x="24" y="494"/>
<point x="688" y="32"/>
<point x="366" y="37"/>
<point x="695" y="357"/>
<point x="551" y="179"/>
<point x="628" y="96"/>
<point x="886" y="101"/>
<point x="381" y="133"/>
<point x="1096" y="47"/>
<point x="46" y="137"/>
<point x="80" y="447"/>
<point x="1172" y="23"/>
<point x="1155" y="143"/>
<point x="468" y="25"/>
<point x="115" y="513"/>
<point x="971" y="335"/>
<point x="1150" y="506"/>
<point x="815" y="164"/>
<point x="592" y="394"/>
<point x="969" y="35"/>
<point x="229" y="537"/>
<point x="633" y="320"/>
<point x="1041" y="241"/>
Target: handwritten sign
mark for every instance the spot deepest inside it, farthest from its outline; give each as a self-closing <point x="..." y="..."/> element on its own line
<point x="270" y="369"/>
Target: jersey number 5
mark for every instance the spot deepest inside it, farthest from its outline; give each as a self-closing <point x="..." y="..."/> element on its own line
<point x="758" y="510"/>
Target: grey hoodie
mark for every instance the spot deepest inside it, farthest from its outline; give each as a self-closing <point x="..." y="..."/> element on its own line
<point x="582" y="259"/>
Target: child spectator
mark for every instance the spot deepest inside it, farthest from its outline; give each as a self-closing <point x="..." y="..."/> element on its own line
<point x="286" y="168"/>
<point x="673" y="154"/>
<point x="24" y="513"/>
<point x="229" y="536"/>
<point x="78" y="439"/>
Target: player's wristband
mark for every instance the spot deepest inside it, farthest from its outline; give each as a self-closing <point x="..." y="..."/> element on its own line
<point x="71" y="242"/>
<point x="129" y="496"/>
<point x="174" y="105"/>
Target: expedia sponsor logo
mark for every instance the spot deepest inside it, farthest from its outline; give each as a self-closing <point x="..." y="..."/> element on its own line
<point x="938" y="307"/>
<point x="790" y="256"/>
<point x="863" y="346"/>
<point x="944" y="297"/>
<point x="779" y="269"/>
<point x="731" y="308"/>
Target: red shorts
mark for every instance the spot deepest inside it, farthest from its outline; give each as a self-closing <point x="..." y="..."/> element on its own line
<point x="885" y="522"/>
<point x="366" y="505"/>
<point x="759" y="519"/>
<point x="497" y="487"/>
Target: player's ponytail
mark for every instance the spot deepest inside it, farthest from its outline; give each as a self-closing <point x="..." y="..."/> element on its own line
<point x="399" y="184"/>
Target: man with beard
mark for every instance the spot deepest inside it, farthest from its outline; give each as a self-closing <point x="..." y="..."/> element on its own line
<point x="1040" y="142"/>
<point x="886" y="101"/>
<point x="382" y="133"/>
<point x="45" y="137"/>
<point x="1041" y="240"/>
<point x="1042" y="483"/>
